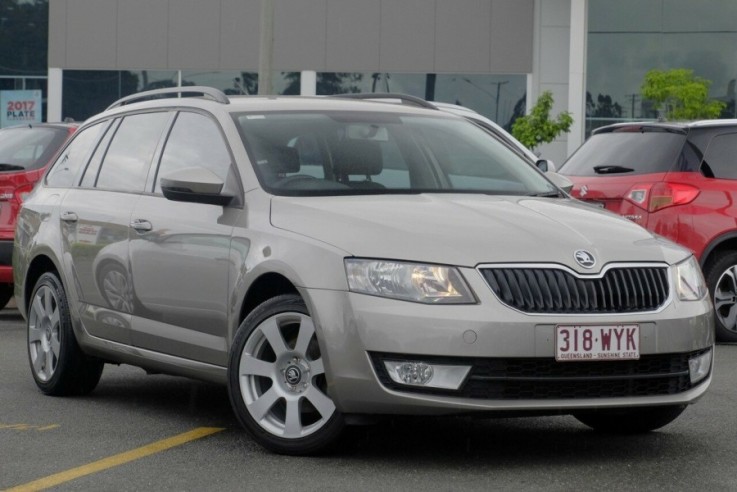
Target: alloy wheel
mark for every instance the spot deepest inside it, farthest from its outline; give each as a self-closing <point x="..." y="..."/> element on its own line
<point x="281" y="377"/>
<point x="725" y="298"/>
<point x="44" y="333"/>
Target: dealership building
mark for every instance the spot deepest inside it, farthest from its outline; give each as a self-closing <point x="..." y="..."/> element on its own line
<point x="494" y="56"/>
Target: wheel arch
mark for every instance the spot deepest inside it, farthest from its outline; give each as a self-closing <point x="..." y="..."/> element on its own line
<point x="265" y="287"/>
<point x="38" y="266"/>
<point x="723" y="242"/>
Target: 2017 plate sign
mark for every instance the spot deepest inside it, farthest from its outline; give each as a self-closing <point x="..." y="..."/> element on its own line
<point x="597" y="342"/>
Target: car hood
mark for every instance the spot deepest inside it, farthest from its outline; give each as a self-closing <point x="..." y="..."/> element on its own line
<point x="468" y="230"/>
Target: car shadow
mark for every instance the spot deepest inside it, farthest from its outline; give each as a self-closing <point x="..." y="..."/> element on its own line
<point x="437" y="442"/>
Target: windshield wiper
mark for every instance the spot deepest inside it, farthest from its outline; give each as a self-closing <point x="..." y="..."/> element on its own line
<point x="11" y="167"/>
<point x="546" y="194"/>
<point x="612" y="169"/>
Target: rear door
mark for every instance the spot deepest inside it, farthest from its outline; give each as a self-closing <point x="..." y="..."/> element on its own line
<point x="713" y="211"/>
<point x="96" y="222"/>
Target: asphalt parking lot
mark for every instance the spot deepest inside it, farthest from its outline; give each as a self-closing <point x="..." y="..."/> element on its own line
<point x="140" y="432"/>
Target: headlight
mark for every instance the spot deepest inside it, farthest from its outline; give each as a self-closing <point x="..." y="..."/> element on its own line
<point x="431" y="284"/>
<point x="690" y="283"/>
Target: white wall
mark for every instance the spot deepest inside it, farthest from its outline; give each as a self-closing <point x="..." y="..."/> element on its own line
<point x="551" y="68"/>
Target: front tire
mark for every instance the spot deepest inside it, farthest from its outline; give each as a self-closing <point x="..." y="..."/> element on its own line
<point x="58" y="365"/>
<point x="276" y="380"/>
<point x="721" y="278"/>
<point x="629" y="420"/>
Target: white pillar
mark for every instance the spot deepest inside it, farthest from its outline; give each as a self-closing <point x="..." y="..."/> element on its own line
<point x="53" y="101"/>
<point x="577" y="73"/>
<point x="266" y="49"/>
<point x="308" y="83"/>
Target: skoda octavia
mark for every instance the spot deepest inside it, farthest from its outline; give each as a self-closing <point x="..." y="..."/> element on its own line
<point x="330" y="259"/>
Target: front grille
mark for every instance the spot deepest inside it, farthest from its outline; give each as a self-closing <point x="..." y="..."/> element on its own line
<point x="554" y="290"/>
<point x="547" y="379"/>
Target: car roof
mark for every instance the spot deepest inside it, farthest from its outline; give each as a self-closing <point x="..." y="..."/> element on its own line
<point x="682" y="126"/>
<point x="213" y="99"/>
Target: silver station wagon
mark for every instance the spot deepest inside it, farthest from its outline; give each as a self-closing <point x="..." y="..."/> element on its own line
<point x="332" y="259"/>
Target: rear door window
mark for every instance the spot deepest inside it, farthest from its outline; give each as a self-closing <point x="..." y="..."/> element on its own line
<point x="626" y="153"/>
<point x="126" y="163"/>
<point x="720" y="160"/>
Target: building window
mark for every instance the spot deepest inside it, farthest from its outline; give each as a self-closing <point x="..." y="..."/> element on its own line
<point x="626" y="39"/>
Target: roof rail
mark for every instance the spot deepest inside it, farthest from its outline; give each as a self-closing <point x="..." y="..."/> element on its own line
<point x="210" y="92"/>
<point x="402" y="98"/>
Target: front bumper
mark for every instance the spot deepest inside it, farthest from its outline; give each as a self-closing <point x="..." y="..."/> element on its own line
<point x="355" y="328"/>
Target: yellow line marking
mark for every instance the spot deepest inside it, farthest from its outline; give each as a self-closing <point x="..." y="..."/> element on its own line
<point x="18" y="427"/>
<point x="48" y="427"/>
<point x="26" y="427"/>
<point x="116" y="460"/>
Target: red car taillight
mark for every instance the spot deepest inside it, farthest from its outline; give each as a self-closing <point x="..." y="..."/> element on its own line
<point x="22" y="192"/>
<point x="657" y="196"/>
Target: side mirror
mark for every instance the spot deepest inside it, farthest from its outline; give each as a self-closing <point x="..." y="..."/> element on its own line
<point x="196" y="185"/>
<point x="545" y="165"/>
<point x="560" y="181"/>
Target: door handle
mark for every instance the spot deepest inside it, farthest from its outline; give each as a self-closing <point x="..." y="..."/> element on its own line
<point x="69" y="217"/>
<point x="141" y="225"/>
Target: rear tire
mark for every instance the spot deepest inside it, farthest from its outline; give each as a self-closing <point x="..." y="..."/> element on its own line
<point x="721" y="278"/>
<point x="276" y="380"/>
<point x="58" y="365"/>
<point x="6" y="293"/>
<point x="629" y="420"/>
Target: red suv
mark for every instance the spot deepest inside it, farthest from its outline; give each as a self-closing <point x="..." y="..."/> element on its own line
<point x="24" y="153"/>
<point x="680" y="181"/>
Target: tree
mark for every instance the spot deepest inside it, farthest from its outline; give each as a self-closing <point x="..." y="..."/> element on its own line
<point x="604" y="107"/>
<point x="537" y="128"/>
<point x="328" y="83"/>
<point x="680" y="95"/>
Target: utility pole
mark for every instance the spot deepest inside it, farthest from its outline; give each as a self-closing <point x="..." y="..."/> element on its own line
<point x="633" y="98"/>
<point x="266" y="48"/>
<point x="498" y="87"/>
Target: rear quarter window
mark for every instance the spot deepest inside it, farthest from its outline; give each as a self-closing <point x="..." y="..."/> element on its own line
<point x="74" y="157"/>
<point x="626" y="153"/>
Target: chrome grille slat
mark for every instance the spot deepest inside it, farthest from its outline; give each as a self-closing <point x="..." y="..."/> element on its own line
<point x="555" y="290"/>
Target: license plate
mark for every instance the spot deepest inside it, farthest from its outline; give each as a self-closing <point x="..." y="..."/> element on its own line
<point x="597" y="342"/>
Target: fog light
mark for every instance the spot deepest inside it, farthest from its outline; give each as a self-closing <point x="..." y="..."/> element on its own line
<point x="699" y="366"/>
<point x="418" y="373"/>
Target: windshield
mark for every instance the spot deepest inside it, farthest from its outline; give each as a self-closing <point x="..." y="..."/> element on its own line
<point x="306" y="153"/>
<point x="24" y="149"/>
<point x="626" y="153"/>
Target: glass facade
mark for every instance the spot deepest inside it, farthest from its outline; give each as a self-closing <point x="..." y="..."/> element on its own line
<point x="87" y="92"/>
<point x="24" y="30"/>
<point x="500" y="98"/>
<point x="627" y="38"/>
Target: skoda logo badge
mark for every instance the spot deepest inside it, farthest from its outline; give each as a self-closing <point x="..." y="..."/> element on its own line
<point x="584" y="258"/>
<point x="293" y="375"/>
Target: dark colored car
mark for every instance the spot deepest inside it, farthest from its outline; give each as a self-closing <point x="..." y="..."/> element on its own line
<point x="678" y="180"/>
<point x="25" y="152"/>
